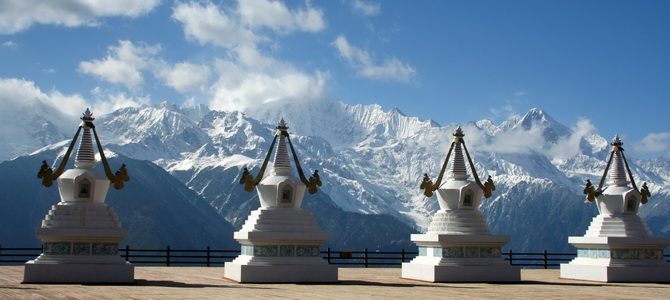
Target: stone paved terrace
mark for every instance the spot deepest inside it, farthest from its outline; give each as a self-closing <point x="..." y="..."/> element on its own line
<point x="355" y="283"/>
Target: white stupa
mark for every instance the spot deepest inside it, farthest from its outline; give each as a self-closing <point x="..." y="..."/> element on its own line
<point x="459" y="246"/>
<point x="618" y="246"/>
<point x="81" y="233"/>
<point x="280" y="241"/>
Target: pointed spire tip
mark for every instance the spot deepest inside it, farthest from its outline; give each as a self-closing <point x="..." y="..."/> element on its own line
<point x="87" y="115"/>
<point x="282" y="125"/>
<point x="459" y="132"/>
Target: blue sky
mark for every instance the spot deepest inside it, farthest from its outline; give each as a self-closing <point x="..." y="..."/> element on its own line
<point x="607" y="62"/>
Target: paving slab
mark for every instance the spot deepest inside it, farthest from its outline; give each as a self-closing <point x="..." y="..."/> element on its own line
<point x="355" y="283"/>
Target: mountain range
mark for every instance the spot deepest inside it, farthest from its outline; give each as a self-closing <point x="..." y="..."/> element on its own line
<point x="371" y="162"/>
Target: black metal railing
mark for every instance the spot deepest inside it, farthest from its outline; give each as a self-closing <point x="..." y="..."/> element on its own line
<point x="214" y="257"/>
<point x="168" y="256"/>
<point x="367" y="258"/>
<point x="13" y="256"/>
<point x="542" y="259"/>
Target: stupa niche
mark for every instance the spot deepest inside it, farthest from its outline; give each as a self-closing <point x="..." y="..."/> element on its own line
<point x="618" y="246"/>
<point x="81" y="233"/>
<point x="280" y="241"/>
<point x="459" y="246"/>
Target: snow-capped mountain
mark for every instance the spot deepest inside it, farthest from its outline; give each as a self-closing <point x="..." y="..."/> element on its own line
<point x="371" y="162"/>
<point x="29" y="126"/>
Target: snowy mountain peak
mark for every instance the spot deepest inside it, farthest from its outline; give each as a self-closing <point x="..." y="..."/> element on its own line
<point x="537" y="116"/>
<point x="396" y="110"/>
<point x="551" y="129"/>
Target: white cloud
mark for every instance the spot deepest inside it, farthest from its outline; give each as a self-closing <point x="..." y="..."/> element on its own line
<point x="309" y="19"/>
<point x="520" y="140"/>
<point x="184" y="76"/>
<point x="516" y="141"/>
<point x="9" y="44"/>
<point x="190" y="102"/>
<point x="570" y="145"/>
<point x="241" y="88"/>
<point x="353" y="55"/>
<point x="112" y="102"/>
<point x="504" y="112"/>
<point x="205" y="23"/>
<point x="275" y="15"/>
<point x="19" y="15"/>
<point x="123" y="64"/>
<point x="250" y="56"/>
<point x="19" y="93"/>
<point x="367" y="9"/>
<point x="654" y="142"/>
<point x="247" y="77"/>
<point x="392" y="69"/>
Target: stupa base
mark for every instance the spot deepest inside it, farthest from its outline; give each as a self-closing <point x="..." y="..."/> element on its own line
<point x="460" y="258"/>
<point x="618" y="259"/>
<point x="280" y="273"/>
<point x="649" y="274"/>
<point x="433" y="273"/>
<point x="78" y="273"/>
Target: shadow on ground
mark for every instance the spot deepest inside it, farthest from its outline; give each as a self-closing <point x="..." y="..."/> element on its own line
<point x="176" y="284"/>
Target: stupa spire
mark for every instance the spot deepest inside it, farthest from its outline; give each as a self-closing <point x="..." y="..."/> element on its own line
<point x="458" y="170"/>
<point x="618" y="174"/>
<point x="85" y="158"/>
<point x="281" y="162"/>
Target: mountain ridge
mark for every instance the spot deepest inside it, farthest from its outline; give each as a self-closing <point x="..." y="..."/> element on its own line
<point x="371" y="161"/>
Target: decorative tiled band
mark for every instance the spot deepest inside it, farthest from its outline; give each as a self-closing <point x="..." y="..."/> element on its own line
<point x="461" y="252"/>
<point x="281" y="250"/>
<point x="70" y="248"/>
<point x="621" y="253"/>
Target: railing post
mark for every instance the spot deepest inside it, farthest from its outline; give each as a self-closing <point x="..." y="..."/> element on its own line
<point x="509" y="253"/>
<point x="402" y="257"/>
<point x="127" y="251"/>
<point x="545" y="258"/>
<point x="167" y="256"/>
<point x="366" y="257"/>
<point x="208" y="251"/>
<point x="328" y="255"/>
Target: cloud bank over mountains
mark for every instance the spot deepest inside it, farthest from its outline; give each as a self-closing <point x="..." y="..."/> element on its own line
<point x="23" y="94"/>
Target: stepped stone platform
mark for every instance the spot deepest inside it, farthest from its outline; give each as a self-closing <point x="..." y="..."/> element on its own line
<point x="355" y="283"/>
